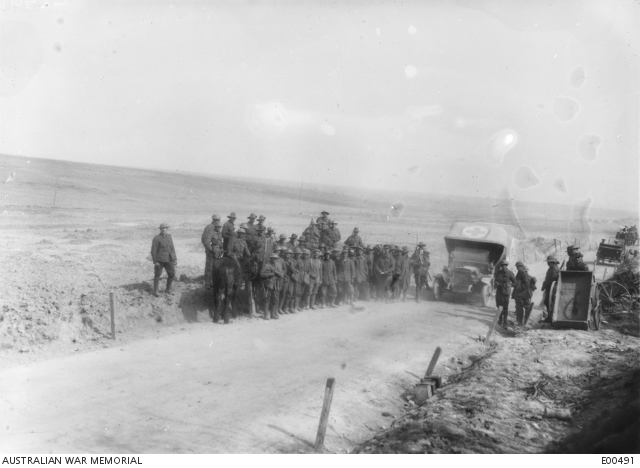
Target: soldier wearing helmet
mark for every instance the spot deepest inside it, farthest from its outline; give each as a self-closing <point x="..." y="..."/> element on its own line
<point x="228" y="230"/>
<point x="164" y="257"/>
<point x="504" y="279"/>
<point x="354" y="240"/>
<point x="271" y="274"/>
<point x="551" y="277"/>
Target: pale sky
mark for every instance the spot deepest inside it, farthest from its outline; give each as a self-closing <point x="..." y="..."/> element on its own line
<point x="462" y="97"/>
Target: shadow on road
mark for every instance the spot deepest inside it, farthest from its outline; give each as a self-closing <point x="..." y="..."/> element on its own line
<point x="299" y="439"/>
<point x="192" y="302"/>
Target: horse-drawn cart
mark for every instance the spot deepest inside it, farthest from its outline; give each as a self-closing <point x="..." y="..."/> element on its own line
<point x="575" y="301"/>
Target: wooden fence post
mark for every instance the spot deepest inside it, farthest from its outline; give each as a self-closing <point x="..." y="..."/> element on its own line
<point x="112" y="304"/>
<point x="324" y="416"/>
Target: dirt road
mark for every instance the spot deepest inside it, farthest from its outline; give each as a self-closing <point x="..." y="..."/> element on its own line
<point x="251" y="387"/>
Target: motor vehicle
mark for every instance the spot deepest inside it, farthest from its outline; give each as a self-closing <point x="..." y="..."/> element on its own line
<point x="612" y="250"/>
<point x="474" y="250"/>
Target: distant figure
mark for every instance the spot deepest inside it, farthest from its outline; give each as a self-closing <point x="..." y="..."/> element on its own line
<point x="420" y="264"/>
<point x="324" y="218"/>
<point x="329" y="277"/>
<point x="504" y="280"/>
<point x="354" y="240"/>
<point x="271" y="275"/>
<point x="575" y="263"/>
<point x="405" y="272"/>
<point x="521" y="292"/>
<point x="164" y="257"/>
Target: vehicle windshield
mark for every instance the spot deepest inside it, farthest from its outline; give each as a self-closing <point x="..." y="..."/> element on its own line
<point x="465" y="257"/>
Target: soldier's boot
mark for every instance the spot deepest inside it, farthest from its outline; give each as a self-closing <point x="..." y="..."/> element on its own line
<point x="321" y="305"/>
<point x="417" y="294"/>
<point x="156" y="283"/>
<point x="312" y="302"/>
<point x="274" y="312"/>
<point x="404" y="296"/>
<point x="505" y="316"/>
<point x="305" y="302"/>
<point x="265" y="314"/>
<point x="285" y="305"/>
<point x="169" y="282"/>
<point x="351" y="299"/>
<point x="292" y="303"/>
<point x="281" y="304"/>
<point x="299" y="303"/>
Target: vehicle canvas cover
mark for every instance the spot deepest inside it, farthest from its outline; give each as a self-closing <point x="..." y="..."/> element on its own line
<point x="495" y="238"/>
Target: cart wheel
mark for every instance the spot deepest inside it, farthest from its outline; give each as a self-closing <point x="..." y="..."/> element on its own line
<point x="597" y="319"/>
<point x="437" y="290"/>
<point x="486" y="295"/>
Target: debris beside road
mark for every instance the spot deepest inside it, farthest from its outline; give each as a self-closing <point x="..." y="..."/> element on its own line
<point x="526" y="394"/>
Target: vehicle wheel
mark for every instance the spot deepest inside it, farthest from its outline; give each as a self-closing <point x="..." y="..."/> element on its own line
<point x="486" y="295"/>
<point x="437" y="290"/>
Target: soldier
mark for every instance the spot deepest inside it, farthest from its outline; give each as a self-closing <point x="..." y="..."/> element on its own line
<point x="282" y="241"/>
<point x="552" y="276"/>
<point x="315" y="278"/>
<point x="395" y="277"/>
<point x="354" y="240"/>
<point x="305" y="286"/>
<point x="324" y="218"/>
<point x="571" y="252"/>
<point x="250" y="227"/>
<point x="227" y="230"/>
<point x="368" y="255"/>
<point x="285" y="262"/>
<point x="329" y="276"/>
<point x="295" y="279"/>
<point x="383" y="268"/>
<point x="292" y="244"/>
<point x="420" y="264"/>
<point x="261" y="220"/>
<point x="521" y="293"/>
<point x="361" y="277"/>
<point x="503" y="279"/>
<point x="271" y="234"/>
<point x="323" y="229"/>
<point x="164" y="256"/>
<point x="302" y="243"/>
<point x="271" y="273"/>
<point x="334" y="233"/>
<point x="345" y="273"/>
<point x="405" y="273"/>
<point x="575" y="263"/>
<point x="238" y="247"/>
<point x="206" y="237"/>
<point x="312" y="234"/>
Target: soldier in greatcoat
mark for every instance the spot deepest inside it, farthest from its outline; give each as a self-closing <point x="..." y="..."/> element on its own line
<point x="420" y="264"/>
<point x="405" y="273"/>
<point x="504" y="280"/>
<point x="522" y="292"/>
<point x="361" y="278"/>
<point x="345" y="270"/>
<point x="315" y="278"/>
<point x="383" y="270"/>
<point x="164" y="257"/>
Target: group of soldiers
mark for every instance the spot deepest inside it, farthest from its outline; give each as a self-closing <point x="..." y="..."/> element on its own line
<point x="520" y="287"/>
<point x="309" y="271"/>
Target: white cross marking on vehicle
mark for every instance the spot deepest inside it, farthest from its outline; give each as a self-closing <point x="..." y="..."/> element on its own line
<point x="475" y="232"/>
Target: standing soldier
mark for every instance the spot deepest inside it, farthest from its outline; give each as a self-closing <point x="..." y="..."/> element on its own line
<point x="521" y="293"/>
<point x="295" y="278"/>
<point x="324" y="218"/>
<point x="354" y="240"/>
<point x="334" y="233"/>
<point x="305" y="286"/>
<point x="261" y="220"/>
<point x="323" y="230"/>
<point x="345" y="271"/>
<point x="368" y="255"/>
<point x="250" y="227"/>
<point x="302" y="243"/>
<point x="282" y="241"/>
<point x="383" y="269"/>
<point x="259" y="256"/>
<point x="238" y="247"/>
<point x="420" y="264"/>
<point x="292" y="244"/>
<point x="361" y="278"/>
<point x="228" y="230"/>
<point x="285" y="261"/>
<point x="575" y="263"/>
<point x="329" y="276"/>
<point x="395" y="277"/>
<point x="405" y="273"/>
<point x="164" y="257"/>
<point x="315" y="278"/>
<point x="503" y="279"/>
<point x="552" y="276"/>
<point x="271" y="273"/>
<point x="206" y="239"/>
<point x="312" y="234"/>
<point x="271" y="234"/>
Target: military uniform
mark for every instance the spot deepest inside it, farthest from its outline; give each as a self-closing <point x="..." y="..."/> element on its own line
<point x="228" y="230"/>
<point x="164" y="257"/>
<point x="522" y="294"/>
<point x="361" y="277"/>
<point x="405" y="274"/>
<point x="354" y="240"/>
<point x="420" y="264"/>
<point x="238" y="248"/>
<point x="345" y="270"/>
<point x="329" y="276"/>
<point x="315" y="279"/>
<point x="383" y="269"/>
<point x="503" y="281"/>
<point x="271" y="274"/>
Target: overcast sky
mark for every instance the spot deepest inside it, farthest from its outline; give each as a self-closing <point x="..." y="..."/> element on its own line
<point x="467" y="97"/>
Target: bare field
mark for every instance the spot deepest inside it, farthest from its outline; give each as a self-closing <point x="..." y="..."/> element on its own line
<point x="173" y="381"/>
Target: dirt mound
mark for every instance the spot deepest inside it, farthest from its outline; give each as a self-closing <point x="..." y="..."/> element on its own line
<point x="497" y="404"/>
